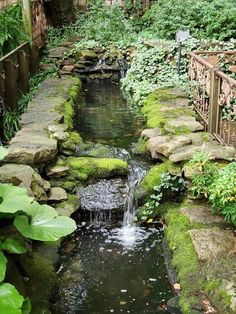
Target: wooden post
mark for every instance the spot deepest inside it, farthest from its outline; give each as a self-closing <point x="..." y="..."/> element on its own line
<point x="11" y="92"/>
<point x="27" y="17"/>
<point x="213" y="102"/>
<point x="23" y="59"/>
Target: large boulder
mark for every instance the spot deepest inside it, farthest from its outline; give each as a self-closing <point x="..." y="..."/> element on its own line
<point x="24" y="176"/>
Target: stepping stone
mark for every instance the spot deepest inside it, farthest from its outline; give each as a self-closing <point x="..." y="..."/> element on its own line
<point x="201" y="214"/>
<point x="211" y="243"/>
<point x="57" y="171"/>
<point x="59" y="52"/>
<point x="184" y="123"/>
<point x="150" y="133"/>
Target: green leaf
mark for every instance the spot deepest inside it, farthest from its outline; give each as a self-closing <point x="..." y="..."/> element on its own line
<point x="14" y="199"/>
<point x="10" y="300"/>
<point x="45" y="224"/>
<point x="3" y="266"/>
<point x="26" y="307"/>
<point x="12" y="246"/>
<point x="3" y="152"/>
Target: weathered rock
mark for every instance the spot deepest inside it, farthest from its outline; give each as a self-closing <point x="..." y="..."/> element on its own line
<point x="68" y="207"/>
<point x="189" y="171"/>
<point x="150" y="133"/>
<point x="57" y="171"/>
<point x="31" y="148"/>
<point x="213" y="242"/>
<point x="166" y="145"/>
<point x="57" y="194"/>
<point x="61" y="136"/>
<point x="24" y="176"/>
<point x="56" y="128"/>
<point x="173" y="306"/>
<point x="106" y="195"/>
<point x="201" y="214"/>
<point x="183" y="124"/>
<point x="215" y="151"/>
<point x="86" y="54"/>
<point x="59" y="52"/>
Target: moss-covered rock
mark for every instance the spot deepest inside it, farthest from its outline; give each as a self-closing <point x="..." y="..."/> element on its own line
<point x="139" y="148"/>
<point x="67" y="208"/>
<point x="83" y="168"/>
<point x="153" y="177"/>
<point x="86" y="54"/>
<point x="68" y="147"/>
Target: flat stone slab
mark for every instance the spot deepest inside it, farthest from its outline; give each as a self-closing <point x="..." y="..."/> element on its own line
<point x="58" y="52"/>
<point x="149" y="133"/>
<point x="201" y="214"/>
<point x="213" y="242"/>
<point x="184" y="123"/>
<point x="57" y="194"/>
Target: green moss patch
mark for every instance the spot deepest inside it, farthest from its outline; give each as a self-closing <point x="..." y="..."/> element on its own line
<point x="153" y="177"/>
<point x="83" y="168"/>
<point x="69" y="146"/>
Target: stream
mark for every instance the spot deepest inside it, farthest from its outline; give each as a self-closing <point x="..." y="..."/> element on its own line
<point x="110" y="266"/>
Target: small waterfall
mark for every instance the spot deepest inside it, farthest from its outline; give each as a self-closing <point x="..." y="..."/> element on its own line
<point x="136" y="175"/>
<point x="123" y="65"/>
<point x="100" y="66"/>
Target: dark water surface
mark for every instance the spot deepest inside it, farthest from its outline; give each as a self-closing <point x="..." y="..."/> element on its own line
<point x="121" y="270"/>
<point x="104" y="115"/>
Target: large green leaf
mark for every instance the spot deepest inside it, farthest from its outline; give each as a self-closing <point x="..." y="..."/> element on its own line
<point x="13" y="199"/>
<point x="3" y="266"/>
<point x="3" y="152"/>
<point x="45" y="224"/>
<point x="12" y="246"/>
<point x="10" y="300"/>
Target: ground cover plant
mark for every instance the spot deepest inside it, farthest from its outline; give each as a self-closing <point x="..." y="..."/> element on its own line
<point x="217" y="184"/>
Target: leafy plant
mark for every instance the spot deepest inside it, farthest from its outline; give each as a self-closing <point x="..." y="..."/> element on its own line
<point x="205" y="173"/>
<point x="171" y="187"/>
<point x="11" y="29"/>
<point x="32" y="221"/>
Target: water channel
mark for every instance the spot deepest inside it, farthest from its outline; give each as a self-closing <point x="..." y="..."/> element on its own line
<point x="112" y="267"/>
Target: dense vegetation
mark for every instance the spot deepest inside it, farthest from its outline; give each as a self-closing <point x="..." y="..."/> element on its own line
<point x="11" y="29"/>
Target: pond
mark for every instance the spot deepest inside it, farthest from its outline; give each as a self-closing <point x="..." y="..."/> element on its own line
<point x="107" y="266"/>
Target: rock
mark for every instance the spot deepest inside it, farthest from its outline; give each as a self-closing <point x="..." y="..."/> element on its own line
<point x="31" y="148"/>
<point x="57" y="171"/>
<point x="84" y="168"/>
<point x="173" y="306"/>
<point x="213" y="242"/>
<point x="59" y="52"/>
<point x="106" y="195"/>
<point x="69" y="146"/>
<point x="68" y="68"/>
<point x="56" y="128"/>
<point x="67" y="208"/>
<point x="150" y="133"/>
<point x="101" y="151"/>
<point x="46" y="185"/>
<point x="86" y="54"/>
<point x="166" y="145"/>
<point x="57" y="194"/>
<point x="215" y="151"/>
<point x="24" y="176"/>
<point x="189" y="171"/>
<point x="61" y="136"/>
<point x="183" y="124"/>
<point x="201" y="214"/>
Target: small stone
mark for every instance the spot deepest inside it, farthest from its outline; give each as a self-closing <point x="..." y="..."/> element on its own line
<point x="46" y="185"/>
<point x="57" y="194"/>
<point x="149" y="133"/>
<point x="57" y="171"/>
<point x="61" y="136"/>
<point x="56" y="128"/>
<point x="177" y="286"/>
<point x="68" y="68"/>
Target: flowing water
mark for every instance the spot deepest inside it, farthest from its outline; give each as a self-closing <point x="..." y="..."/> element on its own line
<point x="107" y="268"/>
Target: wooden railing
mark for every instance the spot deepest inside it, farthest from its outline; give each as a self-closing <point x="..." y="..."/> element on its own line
<point x="215" y="94"/>
<point x="15" y="70"/>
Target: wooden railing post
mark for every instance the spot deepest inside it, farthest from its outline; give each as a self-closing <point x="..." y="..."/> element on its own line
<point x="213" y="102"/>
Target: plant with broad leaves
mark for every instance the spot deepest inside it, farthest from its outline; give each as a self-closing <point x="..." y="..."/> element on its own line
<point x="32" y="221"/>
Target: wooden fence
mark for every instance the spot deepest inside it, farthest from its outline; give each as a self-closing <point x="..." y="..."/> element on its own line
<point x="215" y="93"/>
<point x="15" y="71"/>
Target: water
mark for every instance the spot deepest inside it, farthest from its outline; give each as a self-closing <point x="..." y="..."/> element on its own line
<point x="106" y="117"/>
<point x="107" y="267"/>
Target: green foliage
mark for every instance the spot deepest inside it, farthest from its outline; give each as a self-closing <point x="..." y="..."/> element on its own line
<point x="217" y="184"/>
<point x="205" y="173"/>
<point x="170" y="187"/>
<point x="204" y="18"/>
<point x="3" y="266"/>
<point x="11" y="29"/>
<point x="11" y="301"/>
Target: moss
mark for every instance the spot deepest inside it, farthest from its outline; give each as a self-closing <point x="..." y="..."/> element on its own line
<point x="84" y="168"/>
<point x="72" y="142"/>
<point x="67" y="208"/>
<point x="139" y="148"/>
<point x="185" y="259"/>
<point x="153" y="177"/>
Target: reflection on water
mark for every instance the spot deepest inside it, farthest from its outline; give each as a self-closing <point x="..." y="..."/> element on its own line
<point x="104" y="116"/>
<point x="120" y="270"/>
